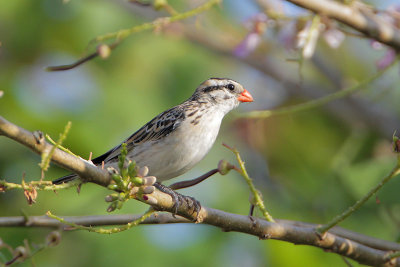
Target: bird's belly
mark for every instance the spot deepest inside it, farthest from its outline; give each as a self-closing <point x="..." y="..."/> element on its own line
<point x="170" y="157"/>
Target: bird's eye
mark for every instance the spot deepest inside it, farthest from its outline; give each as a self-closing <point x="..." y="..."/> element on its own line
<point x="231" y="87"/>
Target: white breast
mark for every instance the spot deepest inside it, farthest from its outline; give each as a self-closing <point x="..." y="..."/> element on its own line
<point x="182" y="149"/>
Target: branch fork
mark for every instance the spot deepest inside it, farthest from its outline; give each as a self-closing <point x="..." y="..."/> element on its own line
<point x="361" y="248"/>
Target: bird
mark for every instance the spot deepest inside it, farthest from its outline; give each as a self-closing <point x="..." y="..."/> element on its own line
<point x="174" y="141"/>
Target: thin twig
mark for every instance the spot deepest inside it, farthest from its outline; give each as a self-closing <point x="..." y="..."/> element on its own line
<point x="113" y="230"/>
<point x="322" y="229"/>
<point x="38" y="185"/>
<point x="60" y="146"/>
<point x="77" y="63"/>
<point x="46" y="156"/>
<point x="317" y="102"/>
<point x="256" y="194"/>
<point x="120" y="35"/>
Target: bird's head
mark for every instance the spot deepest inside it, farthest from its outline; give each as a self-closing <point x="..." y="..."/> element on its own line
<point x="222" y="91"/>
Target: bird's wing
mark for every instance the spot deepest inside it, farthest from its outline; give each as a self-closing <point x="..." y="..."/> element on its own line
<point x="158" y="128"/>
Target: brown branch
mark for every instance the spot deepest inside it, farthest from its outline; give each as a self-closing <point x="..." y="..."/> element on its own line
<point x="36" y="142"/>
<point x="81" y="60"/>
<point x="93" y="220"/>
<point x="290" y="232"/>
<point x="357" y="17"/>
<point x="360" y="238"/>
<point x="73" y="65"/>
<point x="336" y="241"/>
<point x="168" y="218"/>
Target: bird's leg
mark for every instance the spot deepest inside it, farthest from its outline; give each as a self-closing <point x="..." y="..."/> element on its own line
<point x="189" y="183"/>
<point x="178" y="199"/>
<point x="251" y="210"/>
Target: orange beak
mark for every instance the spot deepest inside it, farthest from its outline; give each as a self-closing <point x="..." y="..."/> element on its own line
<point x="245" y="97"/>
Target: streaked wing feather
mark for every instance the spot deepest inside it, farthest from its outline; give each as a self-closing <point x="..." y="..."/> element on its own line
<point x="159" y="127"/>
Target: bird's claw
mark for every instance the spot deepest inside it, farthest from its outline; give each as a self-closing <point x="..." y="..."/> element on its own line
<point x="39" y="137"/>
<point x="179" y="199"/>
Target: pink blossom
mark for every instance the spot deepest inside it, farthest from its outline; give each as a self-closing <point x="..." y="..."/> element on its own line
<point x="376" y="45"/>
<point x="307" y="39"/>
<point x="333" y="37"/>
<point x="247" y="45"/>
<point x="387" y="59"/>
<point x="256" y="25"/>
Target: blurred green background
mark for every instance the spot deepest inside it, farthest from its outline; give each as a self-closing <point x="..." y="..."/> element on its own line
<point x="309" y="166"/>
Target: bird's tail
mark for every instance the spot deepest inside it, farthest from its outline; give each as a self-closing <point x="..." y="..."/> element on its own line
<point x="65" y="179"/>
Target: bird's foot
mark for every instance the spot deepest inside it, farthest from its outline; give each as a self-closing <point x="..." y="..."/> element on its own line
<point x="179" y="199"/>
